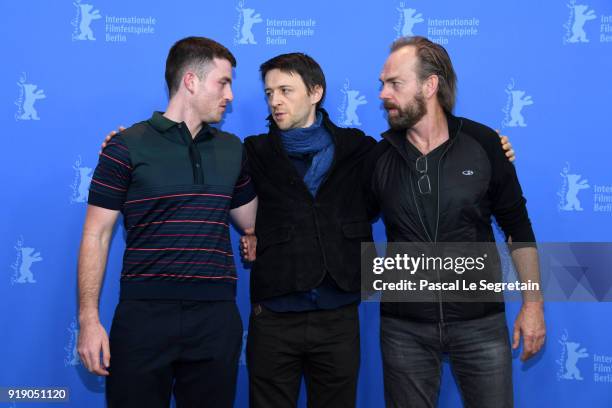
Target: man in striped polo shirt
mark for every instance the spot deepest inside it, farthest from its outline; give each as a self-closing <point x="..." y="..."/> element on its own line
<point x="176" y="180"/>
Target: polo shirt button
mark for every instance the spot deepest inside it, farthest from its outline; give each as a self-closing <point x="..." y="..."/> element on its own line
<point x="180" y="126"/>
<point x="198" y="165"/>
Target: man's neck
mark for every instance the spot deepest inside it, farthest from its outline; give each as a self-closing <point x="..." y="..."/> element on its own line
<point x="181" y="112"/>
<point x="430" y="132"/>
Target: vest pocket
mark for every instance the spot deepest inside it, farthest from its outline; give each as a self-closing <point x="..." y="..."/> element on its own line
<point x="272" y="237"/>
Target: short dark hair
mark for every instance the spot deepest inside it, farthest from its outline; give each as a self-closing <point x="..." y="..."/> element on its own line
<point x="296" y="62"/>
<point x="433" y="60"/>
<point x="192" y="51"/>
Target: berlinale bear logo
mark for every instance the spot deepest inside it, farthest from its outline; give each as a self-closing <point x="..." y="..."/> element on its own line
<point x="571" y="186"/>
<point x="574" y="27"/>
<point x="581" y="16"/>
<point x="22" y="267"/>
<point x="246" y="20"/>
<point x="81" y="182"/>
<point x="407" y="20"/>
<point x="82" y="23"/>
<point x="28" y="95"/>
<point x="515" y="103"/>
<point x="571" y="353"/>
<point x="348" y="109"/>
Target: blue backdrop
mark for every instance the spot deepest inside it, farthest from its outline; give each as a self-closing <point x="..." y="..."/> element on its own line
<point x="73" y="70"/>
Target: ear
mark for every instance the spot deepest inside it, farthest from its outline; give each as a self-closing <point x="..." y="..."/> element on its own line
<point x="316" y="94"/>
<point x="430" y="86"/>
<point x="190" y="81"/>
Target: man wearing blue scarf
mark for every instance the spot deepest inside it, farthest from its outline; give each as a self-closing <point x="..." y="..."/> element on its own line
<point x="305" y="282"/>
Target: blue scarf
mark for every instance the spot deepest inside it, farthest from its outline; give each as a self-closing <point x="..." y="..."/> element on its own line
<point x="312" y="140"/>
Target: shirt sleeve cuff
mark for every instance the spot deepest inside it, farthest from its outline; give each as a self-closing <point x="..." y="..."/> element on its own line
<point x="243" y="195"/>
<point x="100" y="200"/>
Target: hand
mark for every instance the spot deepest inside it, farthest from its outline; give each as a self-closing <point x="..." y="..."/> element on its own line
<point x="248" y="245"/>
<point x="110" y="136"/>
<point x="507" y="146"/>
<point x="92" y="341"/>
<point x="529" y="323"/>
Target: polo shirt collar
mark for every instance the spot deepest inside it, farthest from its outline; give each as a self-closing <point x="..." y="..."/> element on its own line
<point x="162" y="124"/>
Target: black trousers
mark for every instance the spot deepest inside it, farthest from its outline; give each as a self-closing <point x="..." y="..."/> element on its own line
<point x="189" y="348"/>
<point x="322" y="345"/>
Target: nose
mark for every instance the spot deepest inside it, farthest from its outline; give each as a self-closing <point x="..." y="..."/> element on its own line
<point x="229" y="94"/>
<point x="384" y="93"/>
<point x="274" y="99"/>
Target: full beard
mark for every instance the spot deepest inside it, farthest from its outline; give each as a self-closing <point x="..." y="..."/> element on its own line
<point x="409" y="115"/>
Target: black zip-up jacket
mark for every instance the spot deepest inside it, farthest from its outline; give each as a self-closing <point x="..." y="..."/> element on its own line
<point x="302" y="238"/>
<point x="475" y="182"/>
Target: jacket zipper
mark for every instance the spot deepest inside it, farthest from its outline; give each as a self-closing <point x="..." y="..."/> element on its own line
<point x="416" y="205"/>
<point x="438" y="214"/>
<point x="441" y="307"/>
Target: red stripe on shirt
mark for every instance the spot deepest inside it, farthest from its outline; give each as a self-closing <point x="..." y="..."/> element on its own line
<point x="177" y="195"/>
<point x="245" y="183"/>
<point x="117" y="144"/>
<point x="178" y="262"/>
<point x="185" y="221"/>
<point x="106" y="185"/>
<point x="115" y="160"/>
<point x="180" y="249"/>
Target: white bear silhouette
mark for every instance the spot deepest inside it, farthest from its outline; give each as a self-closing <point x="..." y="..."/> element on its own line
<point x="85" y="174"/>
<point x="518" y="102"/>
<point x="31" y="96"/>
<point x="353" y="101"/>
<point x="573" y="355"/>
<point x="27" y="259"/>
<point x="573" y="187"/>
<point x="581" y="16"/>
<point x="410" y="19"/>
<point x="87" y="16"/>
<point x="248" y="20"/>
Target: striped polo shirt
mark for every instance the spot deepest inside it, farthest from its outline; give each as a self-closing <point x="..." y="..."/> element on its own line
<point x="175" y="193"/>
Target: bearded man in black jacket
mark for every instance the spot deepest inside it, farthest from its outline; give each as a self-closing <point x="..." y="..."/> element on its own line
<point x="440" y="178"/>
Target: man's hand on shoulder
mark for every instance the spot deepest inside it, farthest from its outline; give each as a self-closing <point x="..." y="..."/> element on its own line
<point x="110" y="136"/>
<point x="507" y="146"/>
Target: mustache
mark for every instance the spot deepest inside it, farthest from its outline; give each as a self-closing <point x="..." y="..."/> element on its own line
<point x="390" y="105"/>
